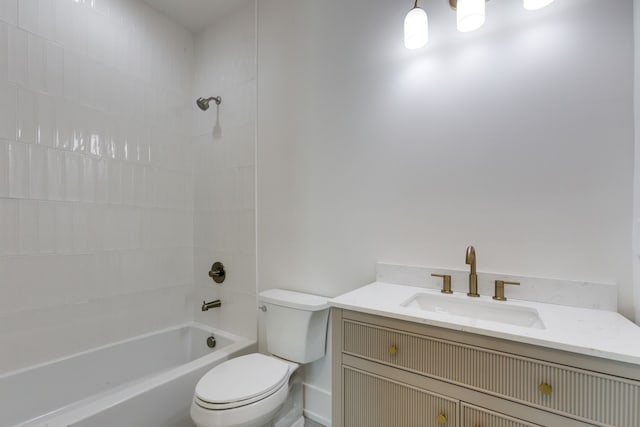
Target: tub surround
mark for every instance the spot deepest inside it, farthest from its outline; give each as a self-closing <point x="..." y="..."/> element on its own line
<point x="223" y="140"/>
<point x="96" y="176"/>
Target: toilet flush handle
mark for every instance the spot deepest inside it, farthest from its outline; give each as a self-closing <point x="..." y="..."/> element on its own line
<point x="263" y="308"/>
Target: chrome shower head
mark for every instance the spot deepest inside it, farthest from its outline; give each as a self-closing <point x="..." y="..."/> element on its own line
<point x="203" y="103"/>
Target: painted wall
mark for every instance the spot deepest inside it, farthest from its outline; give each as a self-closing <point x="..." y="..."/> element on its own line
<point x="517" y="138"/>
<point x="636" y="192"/>
<point x="96" y="186"/>
<point x="223" y="142"/>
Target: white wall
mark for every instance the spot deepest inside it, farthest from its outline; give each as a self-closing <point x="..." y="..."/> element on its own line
<point x="517" y="138"/>
<point x="224" y="147"/>
<point x="636" y="192"/>
<point x="96" y="204"/>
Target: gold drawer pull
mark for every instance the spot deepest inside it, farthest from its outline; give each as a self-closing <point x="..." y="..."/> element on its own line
<point x="442" y="419"/>
<point x="545" y="389"/>
<point x="393" y="350"/>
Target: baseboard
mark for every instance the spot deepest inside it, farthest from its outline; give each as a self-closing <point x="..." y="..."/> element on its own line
<point x="317" y="404"/>
<point x="317" y="418"/>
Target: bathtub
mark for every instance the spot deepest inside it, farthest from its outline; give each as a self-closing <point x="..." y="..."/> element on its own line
<point x="146" y="381"/>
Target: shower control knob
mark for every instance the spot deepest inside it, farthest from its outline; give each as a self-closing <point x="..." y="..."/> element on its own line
<point x="217" y="272"/>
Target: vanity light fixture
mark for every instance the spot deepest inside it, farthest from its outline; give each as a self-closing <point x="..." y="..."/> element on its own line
<point x="416" y="28"/>
<point x="470" y="15"/>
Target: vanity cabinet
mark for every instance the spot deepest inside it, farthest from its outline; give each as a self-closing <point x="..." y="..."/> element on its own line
<point x="422" y="375"/>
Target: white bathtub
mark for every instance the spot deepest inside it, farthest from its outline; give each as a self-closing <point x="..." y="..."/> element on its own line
<point x="146" y="381"/>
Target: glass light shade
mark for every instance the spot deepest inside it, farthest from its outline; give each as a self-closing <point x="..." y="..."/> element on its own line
<point x="536" y="4"/>
<point x="416" y="28"/>
<point x="470" y="14"/>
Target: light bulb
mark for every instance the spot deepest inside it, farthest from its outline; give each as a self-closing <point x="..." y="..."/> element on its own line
<point x="470" y="14"/>
<point x="536" y="4"/>
<point x="416" y="28"/>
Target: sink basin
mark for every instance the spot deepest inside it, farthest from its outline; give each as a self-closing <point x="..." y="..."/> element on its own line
<point x="474" y="309"/>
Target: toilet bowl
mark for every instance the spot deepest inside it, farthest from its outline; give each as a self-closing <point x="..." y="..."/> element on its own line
<point x="243" y="392"/>
<point x="248" y="391"/>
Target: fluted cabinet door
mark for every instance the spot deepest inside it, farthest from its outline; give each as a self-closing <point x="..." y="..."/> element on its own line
<point x="472" y="416"/>
<point x="374" y="401"/>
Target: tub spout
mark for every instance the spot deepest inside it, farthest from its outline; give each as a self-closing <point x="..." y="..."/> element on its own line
<point x="206" y="306"/>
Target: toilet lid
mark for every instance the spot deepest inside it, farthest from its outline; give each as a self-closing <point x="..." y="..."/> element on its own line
<point x="241" y="379"/>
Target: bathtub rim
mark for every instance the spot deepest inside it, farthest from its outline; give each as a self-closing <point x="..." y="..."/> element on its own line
<point x="85" y="408"/>
<point x="210" y="329"/>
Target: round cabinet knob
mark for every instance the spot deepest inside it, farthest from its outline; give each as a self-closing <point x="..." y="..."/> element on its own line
<point x="442" y="419"/>
<point x="545" y="389"/>
<point x="393" y="350"/>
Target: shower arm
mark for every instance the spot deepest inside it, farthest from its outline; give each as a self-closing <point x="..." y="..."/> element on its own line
<point x="203" y="103"/>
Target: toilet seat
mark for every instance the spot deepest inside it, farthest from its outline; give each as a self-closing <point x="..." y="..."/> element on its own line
<point x="241" y="381"/>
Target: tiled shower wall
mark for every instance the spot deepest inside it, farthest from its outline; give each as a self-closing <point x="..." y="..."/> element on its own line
<point x="224" y="148"/>
<point x="96" y="181"/>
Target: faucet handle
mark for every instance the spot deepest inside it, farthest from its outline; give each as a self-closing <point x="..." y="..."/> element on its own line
<point x="499" y="294"/>
<point x="446" y="282"/>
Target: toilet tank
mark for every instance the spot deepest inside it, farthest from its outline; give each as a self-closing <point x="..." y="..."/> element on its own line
<point x="296" y="324"/>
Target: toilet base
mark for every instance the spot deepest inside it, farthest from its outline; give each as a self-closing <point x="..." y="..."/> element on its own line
<point x="299" y="423"/>
<point x="290" y="415"/>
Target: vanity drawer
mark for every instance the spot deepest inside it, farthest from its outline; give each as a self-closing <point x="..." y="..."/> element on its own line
<point x="374" y="401"/>
<point x="472" y="416"/>
<point x="581" y="394"/>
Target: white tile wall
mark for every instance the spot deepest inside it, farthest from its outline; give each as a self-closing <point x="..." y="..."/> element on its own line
<point x="96" y="180"/>
<point x="8" y="107"/>
<point x="9" y="11"/>
<point x="224" y="148"/>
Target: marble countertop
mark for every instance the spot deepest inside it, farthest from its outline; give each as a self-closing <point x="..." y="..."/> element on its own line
<point x="585" y="331"/>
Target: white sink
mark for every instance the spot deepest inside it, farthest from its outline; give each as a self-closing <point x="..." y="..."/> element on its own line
<point x="472" y="308"/>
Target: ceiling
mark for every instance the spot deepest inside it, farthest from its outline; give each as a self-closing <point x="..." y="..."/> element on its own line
<point x="195" y="15"/>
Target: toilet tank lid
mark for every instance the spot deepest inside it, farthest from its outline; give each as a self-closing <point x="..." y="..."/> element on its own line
<point x="292" y="299"/>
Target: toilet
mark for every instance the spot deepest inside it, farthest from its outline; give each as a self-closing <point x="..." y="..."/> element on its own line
<point x="250" y="390"/>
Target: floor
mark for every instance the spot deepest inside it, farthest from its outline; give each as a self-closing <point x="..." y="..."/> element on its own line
<point x="309" y="423"/>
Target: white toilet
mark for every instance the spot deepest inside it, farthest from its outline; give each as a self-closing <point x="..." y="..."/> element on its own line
<point x="248" y="391"/>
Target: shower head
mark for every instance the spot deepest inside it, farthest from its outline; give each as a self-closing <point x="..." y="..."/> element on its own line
<point x="203" y="103"/>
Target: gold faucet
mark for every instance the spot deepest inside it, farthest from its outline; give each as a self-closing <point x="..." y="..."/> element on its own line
<point x="473" y="277"/>
<point x="499" y="294"/>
